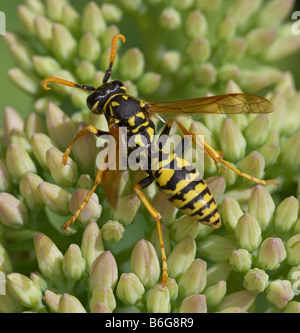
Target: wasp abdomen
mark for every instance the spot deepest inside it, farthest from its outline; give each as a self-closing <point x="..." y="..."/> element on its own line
<point x="185" y="188"/>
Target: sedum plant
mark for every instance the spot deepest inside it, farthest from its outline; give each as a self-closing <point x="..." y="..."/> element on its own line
<point x="110" y="260"/>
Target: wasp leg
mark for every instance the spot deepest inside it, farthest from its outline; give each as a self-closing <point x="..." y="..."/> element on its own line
<point x="217" y="157"/>
<point x="80" y="134"/>
<point x="85" y="201"/>
<point x="155" y="214"/>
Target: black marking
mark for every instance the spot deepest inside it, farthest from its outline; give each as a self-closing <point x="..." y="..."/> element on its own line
<point x="208" y="216"/>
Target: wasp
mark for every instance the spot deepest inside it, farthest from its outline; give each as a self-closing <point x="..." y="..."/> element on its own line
<point x="183" y="187"/>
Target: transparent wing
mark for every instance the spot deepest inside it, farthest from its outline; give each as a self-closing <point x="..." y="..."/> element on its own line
<point x="222" y="104"/>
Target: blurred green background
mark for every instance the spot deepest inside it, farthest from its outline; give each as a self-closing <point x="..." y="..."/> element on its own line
<point x="14" y="97"/>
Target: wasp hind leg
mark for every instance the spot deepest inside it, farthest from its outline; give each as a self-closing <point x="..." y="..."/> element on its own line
<point x="155" y="214"/>
<point x="79" y="135"/>
<point x="215" y="155"/>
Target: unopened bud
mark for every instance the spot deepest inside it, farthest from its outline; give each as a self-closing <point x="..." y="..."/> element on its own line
<point x="158" y="300"/>
<point x="130" y="289"/>
<point x="271" y="253"/>
<point x="193" y="304"/>
<point x="279" y="293"/>
<point x="256" y="280"/>
<point x="240" y="260"/>
<point x="70" y="304"/>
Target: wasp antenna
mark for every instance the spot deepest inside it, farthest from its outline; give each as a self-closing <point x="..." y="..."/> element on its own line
<point x="65" y="83"/>
<point x="113" y="52"/>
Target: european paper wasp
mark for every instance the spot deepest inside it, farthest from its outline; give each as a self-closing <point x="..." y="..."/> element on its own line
<point x="184" y="188"/>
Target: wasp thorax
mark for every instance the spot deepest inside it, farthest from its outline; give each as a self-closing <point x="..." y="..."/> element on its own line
<point x="100" y="96"/>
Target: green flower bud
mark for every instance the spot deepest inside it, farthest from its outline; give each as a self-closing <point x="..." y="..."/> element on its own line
<point x="149" y="83"/>
<point x="5" y="180"/>
<point x="49" y="257"/>
<point x="195" y="25"/>
<point x="104" y="271"/>
<point x="240" y="260"/>
<point x="205" y="75"/>
<point x="85" y="72"/>
<point x="144" y="263"/>
<point x="63" y="44"/>
<point x="91" y="244"/>
<point x="28" y="189"/>
<point x="19" y="137"/>
<point x="111" y="13"/>
<point x="41" y="143"/>
<point x="89" y="47"/>
<point x="216" y="248"/>
<point x="181" y="256"/>
<point x="241" y="10"/>
<point x="39" y="281"/>
<point x="127" y="209"/>
<point x="158" y="300"/>
<point x="171" y="61"/>
<point x="85" y="181"/>
<point x="291" y="121"/>
<point x="24" y="290"/>
<point x="198" y="50"/>
<point x="297" y="226"/>
<point x="43" y="30"/>
<point x="27" y="16"/>
<point x="18" y="161"/>
<point x="257" y="132"/>
<point x="228" y="72"/>
<point x="60" y="128"/>
<point x="52" y="300"/>
<point x="22" y="56"/>
<point x="112" y="231"/>
<point x="173" y="289"/>
<point x="270" y="152"/>
<point x="256" y="280"/>
<point x="208" y="6"/>
<point x="33" y="124"/>
<point x="235" y="49"/>
<point x="45" y="66"/>
<point x="217" y="272"/>
<point x="286" y="214"/>
<point x="55" y="198"/>
<point x="260" y="38"/>
<point x="13" y="212"/>
<point x="261" y="206"/>
<point x="100" y="308"/>
<point x="226" y="29"/>
<point x="293" y="250"/>
<point x="92" y="209"/>
<point x="217" y="186"/>
<point x="279" y="293"/>
<point x="185" y="226"/>
<point x="73" y="263"/>
<point x="226" y="173"/>
<point x="70" y="304"/>
<point x="271" y="253"/>
<point x="103" y="295"/>
<point x="132" y="64"/>
<point x="232" y="141"/>
<point x="277" y="119"/>
<point x="92" y="20"/>
<point x="230" y="213"/>
<point x="214" y="294"/>
<point x="242" y="299"/>
<point x="170" y="19"/>
<point x="248" y="232"/>
<point x="55" y="9"/>
<point x="166" y="209"/>
<point x="71" y="19"/>
<point x="8" y="303"/>
<point x="253" y="164"/>
<point x="36" y="6"/>
<point x="292" y="307"/>
<point x="130" y="289"/>
<point x="193" y="304"/>
<point x="193" y="280"/>
<point x="64" y="175"/>
<point x="289" y="151"/>
<point x="274" y="12"/>
<point x="12" y="120"/>
<point x="5" y="263"/>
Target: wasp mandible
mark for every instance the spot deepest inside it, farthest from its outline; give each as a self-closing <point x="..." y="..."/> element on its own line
<point x="184" y="188"/>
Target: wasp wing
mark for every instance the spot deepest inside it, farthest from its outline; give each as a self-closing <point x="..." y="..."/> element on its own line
<point x="222" y="104"/>
<point x="112" y="175"/>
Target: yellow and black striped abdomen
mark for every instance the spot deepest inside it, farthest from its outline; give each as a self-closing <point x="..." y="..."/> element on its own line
<point x="183" y="186"/>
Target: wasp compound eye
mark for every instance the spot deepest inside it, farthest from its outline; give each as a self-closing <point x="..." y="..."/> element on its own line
<point x="95" y="102"/>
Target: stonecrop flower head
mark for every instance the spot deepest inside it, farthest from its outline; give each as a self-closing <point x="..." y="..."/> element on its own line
<point x="110" y="260"/>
